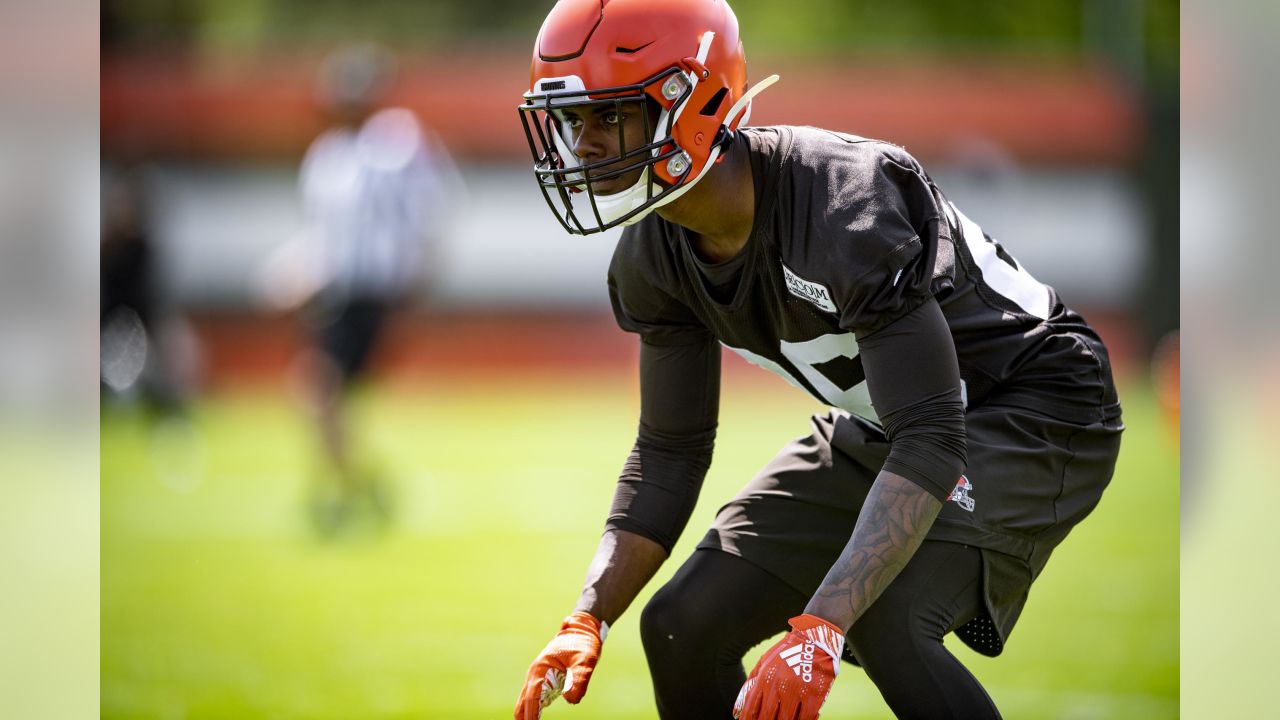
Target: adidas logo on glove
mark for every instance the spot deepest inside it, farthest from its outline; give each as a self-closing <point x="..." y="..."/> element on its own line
<point x="811" y="651"/>
<point x="800" y="660"/>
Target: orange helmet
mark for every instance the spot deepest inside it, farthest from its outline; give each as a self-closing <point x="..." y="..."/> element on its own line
<point x="681" y="57"/>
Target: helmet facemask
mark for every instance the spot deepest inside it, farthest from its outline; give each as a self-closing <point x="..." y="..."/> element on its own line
<point x="569" y="185"/>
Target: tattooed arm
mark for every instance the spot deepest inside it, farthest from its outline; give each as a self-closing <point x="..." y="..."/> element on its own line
<point x="914" y="381"/>
<point x="893" y="522"/>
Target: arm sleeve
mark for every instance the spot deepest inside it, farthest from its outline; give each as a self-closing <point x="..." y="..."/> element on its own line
<point x="679" y="406"/>
<point x="914" y="381"/>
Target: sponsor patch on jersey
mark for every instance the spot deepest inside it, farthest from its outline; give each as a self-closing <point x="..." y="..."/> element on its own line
<point x="815" y="293"/>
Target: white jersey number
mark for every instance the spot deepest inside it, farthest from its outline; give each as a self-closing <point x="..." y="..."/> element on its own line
<point x="805" y="355"/>
<point x="1011" y="281"/>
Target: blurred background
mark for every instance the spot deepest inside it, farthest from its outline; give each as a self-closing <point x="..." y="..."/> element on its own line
<point x="267" y="555"/>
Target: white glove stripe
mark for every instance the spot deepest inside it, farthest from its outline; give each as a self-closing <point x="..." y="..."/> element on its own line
<point x="552" y="686"/>
<point x="831" y="642"/>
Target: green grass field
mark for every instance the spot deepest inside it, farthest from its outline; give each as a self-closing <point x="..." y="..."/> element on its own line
<point x="218" y="602"/>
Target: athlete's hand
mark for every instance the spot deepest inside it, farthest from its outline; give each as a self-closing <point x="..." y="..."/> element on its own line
<point x="565" y="666"/>
<point x="792" y="679"/>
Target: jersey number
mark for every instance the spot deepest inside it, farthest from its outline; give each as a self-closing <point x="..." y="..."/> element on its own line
<point x="804" y="356"/>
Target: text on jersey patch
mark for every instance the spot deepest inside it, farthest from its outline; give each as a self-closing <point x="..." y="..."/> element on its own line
<point x="811" y="291"/>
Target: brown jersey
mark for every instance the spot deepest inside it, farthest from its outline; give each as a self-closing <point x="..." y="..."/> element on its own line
<point x="850" y="235"/>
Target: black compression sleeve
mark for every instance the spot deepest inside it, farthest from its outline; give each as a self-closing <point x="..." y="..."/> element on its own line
<point x="914" y="382"/>
<point x="679" y="405"/>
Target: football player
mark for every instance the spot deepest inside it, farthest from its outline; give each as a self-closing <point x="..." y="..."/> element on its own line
<point x="974" y="420"/>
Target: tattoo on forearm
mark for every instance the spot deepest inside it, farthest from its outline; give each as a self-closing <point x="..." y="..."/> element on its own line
<point x="893" y="522"/>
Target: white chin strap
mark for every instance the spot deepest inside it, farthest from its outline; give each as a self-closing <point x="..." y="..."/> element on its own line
<point x="612" y="207"/>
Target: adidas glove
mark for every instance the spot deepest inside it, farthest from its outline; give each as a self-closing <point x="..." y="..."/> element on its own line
<point x="792" y="679"/>
<point x="565" y="666"/>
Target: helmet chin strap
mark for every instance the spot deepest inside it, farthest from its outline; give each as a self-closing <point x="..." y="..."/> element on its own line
<point x="612" y="207"/>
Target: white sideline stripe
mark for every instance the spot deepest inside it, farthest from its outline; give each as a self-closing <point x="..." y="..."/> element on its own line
<point x="1016" y="284"/>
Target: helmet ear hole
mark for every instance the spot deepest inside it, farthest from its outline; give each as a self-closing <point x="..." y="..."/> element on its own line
<point x="713" y="104"/>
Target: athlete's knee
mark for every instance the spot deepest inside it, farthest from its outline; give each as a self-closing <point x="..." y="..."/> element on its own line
<point x="669" y="624"/>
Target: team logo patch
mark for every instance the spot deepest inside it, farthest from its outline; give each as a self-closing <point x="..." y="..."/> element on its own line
<point x="960" y="495"/>
<point x="807" y="290"/>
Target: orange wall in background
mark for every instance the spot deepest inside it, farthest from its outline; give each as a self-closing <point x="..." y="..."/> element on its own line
<point x="176" y="106"/>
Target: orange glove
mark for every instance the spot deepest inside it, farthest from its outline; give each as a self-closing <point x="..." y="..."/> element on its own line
<point x="565" y="665"/>
<point x="792" y="679"/>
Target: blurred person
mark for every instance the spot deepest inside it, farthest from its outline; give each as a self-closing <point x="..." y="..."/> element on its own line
<point x="376" y="189"/>
<point x="141" y="337"/>
<point x="148" y="353"/>
<point x="974" y="419"/>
